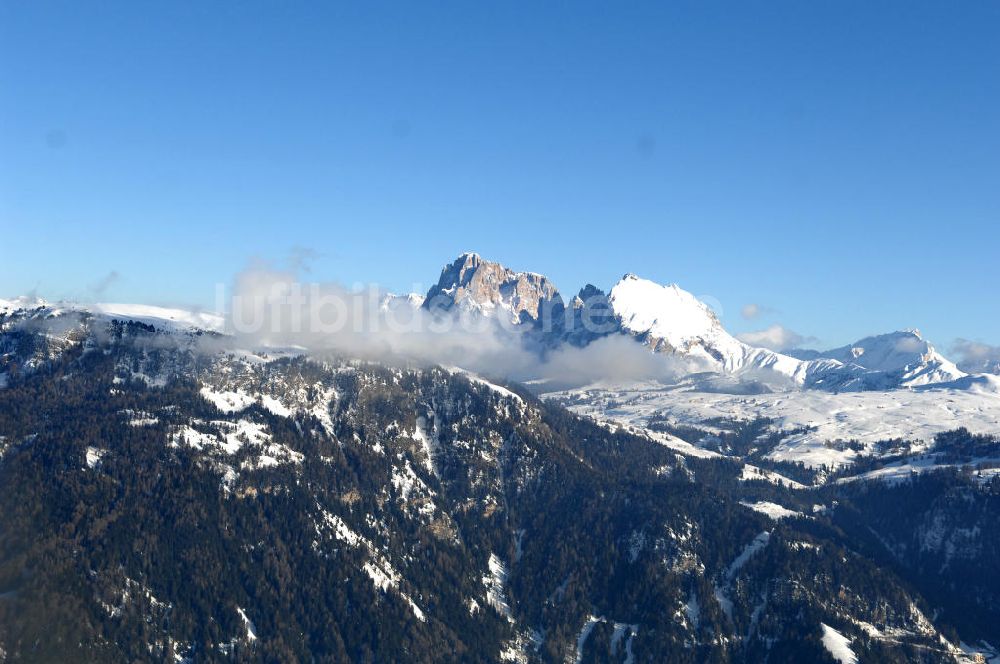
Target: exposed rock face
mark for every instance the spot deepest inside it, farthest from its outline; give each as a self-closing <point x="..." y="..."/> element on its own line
<point x="473" y="284"/>
<point x="592" y="317"/>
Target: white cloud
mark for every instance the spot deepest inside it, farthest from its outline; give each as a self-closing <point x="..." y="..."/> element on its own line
<point x="976" y="356"/>
<point x="615" y="358"/>
<point x="910" y="345"/>
<point x="775" y="337"/>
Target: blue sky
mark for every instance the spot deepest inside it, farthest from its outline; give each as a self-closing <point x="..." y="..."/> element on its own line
<point x="836" y="163"/>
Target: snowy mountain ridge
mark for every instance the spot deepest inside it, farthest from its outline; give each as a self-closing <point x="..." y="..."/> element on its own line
<point x="672" y="321"/>
<point x="905" y="353"/>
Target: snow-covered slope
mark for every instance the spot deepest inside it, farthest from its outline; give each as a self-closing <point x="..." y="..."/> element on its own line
<point x="819" y="423"/>
<point x="162" y="316"/>
<point x="981" y="383"/>
<point x="23" y="302"/>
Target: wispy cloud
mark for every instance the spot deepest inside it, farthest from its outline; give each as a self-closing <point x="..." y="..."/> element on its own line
<point x="976" y="356"/>
<point x="106" y="282"/>
<point x="753" y="311"/>
<point x="776" y="337"/>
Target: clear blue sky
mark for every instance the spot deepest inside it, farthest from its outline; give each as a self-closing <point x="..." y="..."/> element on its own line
<point x="837" y="163"/>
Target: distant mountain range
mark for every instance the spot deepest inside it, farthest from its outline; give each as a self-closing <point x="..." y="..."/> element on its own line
<point x="673" y="322"/>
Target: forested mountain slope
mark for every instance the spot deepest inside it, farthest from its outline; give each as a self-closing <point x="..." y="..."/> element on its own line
<point x="167" y="498"/>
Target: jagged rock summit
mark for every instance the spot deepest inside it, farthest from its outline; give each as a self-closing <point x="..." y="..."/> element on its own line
<point x="471" y="283"/>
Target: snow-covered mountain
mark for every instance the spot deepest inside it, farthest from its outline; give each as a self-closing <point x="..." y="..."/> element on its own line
<point x="672" y="321"/>
<point x="669" y="319"/>
<point x="905" y="354"/>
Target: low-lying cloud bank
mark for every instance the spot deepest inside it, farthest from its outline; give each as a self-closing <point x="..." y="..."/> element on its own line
<point x="977" y="357"/>
<point x="271" y="307"/>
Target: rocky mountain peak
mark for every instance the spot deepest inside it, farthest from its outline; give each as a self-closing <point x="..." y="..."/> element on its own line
<point x="474" y="284"/>
<point x="589" y="294"/>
